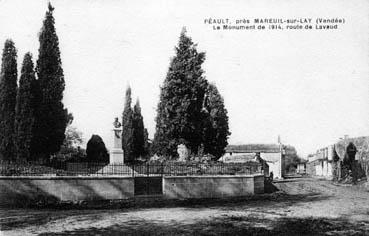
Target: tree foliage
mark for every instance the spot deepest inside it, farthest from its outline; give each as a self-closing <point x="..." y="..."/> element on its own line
<point x="216" y="130"/>
<point x="127" y="126"/>
<point x="190" y="111"/>
<point x="25" y="109"/>
<point x="51" y="117"/>
<point x="70" y="149"/>
<point x="179" y="110"/>
<point x="73" y="137"/>
<point x="96" y="150"/>
<point x="138" y="132"/>
<point x="8" y="93"/>
<point x="147" y="144"/>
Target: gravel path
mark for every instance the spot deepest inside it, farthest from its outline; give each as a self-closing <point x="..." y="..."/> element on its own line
<point x="301" y="207"/>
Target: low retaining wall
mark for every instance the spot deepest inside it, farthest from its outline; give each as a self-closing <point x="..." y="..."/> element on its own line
<point x="20" y="190"/>
<point x="16" y="190"/>
<point x="182" y="187"/>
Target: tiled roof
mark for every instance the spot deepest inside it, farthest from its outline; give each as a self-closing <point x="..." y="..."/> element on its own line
<point x="253" y="148"/>
<point x="240" y="158"/>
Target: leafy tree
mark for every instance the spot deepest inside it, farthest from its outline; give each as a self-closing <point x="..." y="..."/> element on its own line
<point x="291" y="158"/>
<point x="25" y="109"/>
<point x="73" y="137"/>
<point x="127" y="126"/>
<point x="8" y="93"/>
<point x="215" y="127"/>
<point x="179" y="117"/>
<point x="138" y="132"/>
<point x="70" y="149"/>
<point x="96" y="150"/>
<point x="51" y="117"/>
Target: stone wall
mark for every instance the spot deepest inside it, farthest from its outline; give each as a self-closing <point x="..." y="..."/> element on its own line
<point x="182" y="187"/>
<point x="18" y="190"/>
<point x="28" y="190"/>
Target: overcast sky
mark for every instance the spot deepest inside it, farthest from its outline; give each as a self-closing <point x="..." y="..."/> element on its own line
<point x="311" y="87"/>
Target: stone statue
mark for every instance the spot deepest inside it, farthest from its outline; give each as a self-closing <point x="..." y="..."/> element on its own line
<point x="116" y="152"/>
<point x="117" y="126"/>
<point x="183" y="152"/>
<point x="116" y="123"/>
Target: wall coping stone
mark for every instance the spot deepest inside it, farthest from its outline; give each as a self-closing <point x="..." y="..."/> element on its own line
<point x="214" y="176"/>
<point x="51" y="177"/>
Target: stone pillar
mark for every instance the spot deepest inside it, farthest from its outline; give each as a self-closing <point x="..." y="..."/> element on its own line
<point x="281" y="170"/>
<point x="116" y="153"/>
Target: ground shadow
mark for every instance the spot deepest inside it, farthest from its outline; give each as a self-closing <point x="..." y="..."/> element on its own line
<point x="269" y="187"/>
<point x="20" y="218"/>
<point x="231" y="225"/>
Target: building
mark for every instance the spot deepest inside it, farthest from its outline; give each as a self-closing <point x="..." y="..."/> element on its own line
<point x="321" y="162"/>
<point x="301" y="167"/>
<point x="272" y="154"/>
<point x="328" y="161"/>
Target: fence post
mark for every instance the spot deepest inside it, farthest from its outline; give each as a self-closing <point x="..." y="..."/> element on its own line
<point x="147" y="170"/>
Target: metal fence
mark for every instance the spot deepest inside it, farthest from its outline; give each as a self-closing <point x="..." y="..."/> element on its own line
<point x="147" y="169"/>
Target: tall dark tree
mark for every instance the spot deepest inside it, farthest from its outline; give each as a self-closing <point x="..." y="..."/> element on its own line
<point x="179" y="109"/>
<point x="8" y="93"/>
<point x="25" y="109"/>
<point x="96" y="150"/>
<point x="127" y="126"/>
<point x="138" y="132"/>
<point x="216" y="129"/>
<point x="51" y="116"/>
<point x="147" y="143"/>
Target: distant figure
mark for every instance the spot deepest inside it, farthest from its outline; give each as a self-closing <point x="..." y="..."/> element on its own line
<point x="258" y="158"/>
<point x="271" y="176"/>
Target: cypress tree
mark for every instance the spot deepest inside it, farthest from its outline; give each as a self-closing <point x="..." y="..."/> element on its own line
<point x="138" y="131"/>
<point x="179" y="117"/>
<point x="147" y="146"/>
<point x="8" y="93"/>
<point x="216" y="129"/>
<point x="127" y="127"/>
<point x="51" y="117"/>
<point x="25" y="109"/>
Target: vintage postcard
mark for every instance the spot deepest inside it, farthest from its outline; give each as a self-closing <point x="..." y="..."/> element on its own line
<point x="176" y="117"/>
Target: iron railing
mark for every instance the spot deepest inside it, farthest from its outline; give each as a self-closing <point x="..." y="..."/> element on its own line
<point x="147" y="169"/>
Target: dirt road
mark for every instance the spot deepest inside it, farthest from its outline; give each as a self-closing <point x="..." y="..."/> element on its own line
<point x="301" y="207"/>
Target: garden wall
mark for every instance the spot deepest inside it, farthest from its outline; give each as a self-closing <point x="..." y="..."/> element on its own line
<point x="16" y="190"/>
<point x="182" y="187"/>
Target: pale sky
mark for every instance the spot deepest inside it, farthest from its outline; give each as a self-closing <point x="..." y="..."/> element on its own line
<point x="311" y="87"/>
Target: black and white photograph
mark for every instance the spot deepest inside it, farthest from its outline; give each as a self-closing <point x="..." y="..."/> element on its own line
<point x="184" y="117"/>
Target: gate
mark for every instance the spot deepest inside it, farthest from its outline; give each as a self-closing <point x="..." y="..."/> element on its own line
<point x="150" y="185"/>
<point x="148" y="179"/>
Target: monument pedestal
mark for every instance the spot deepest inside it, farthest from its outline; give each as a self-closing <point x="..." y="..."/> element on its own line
<point x="116" y="153"/>
<point x="116" y="156"/>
